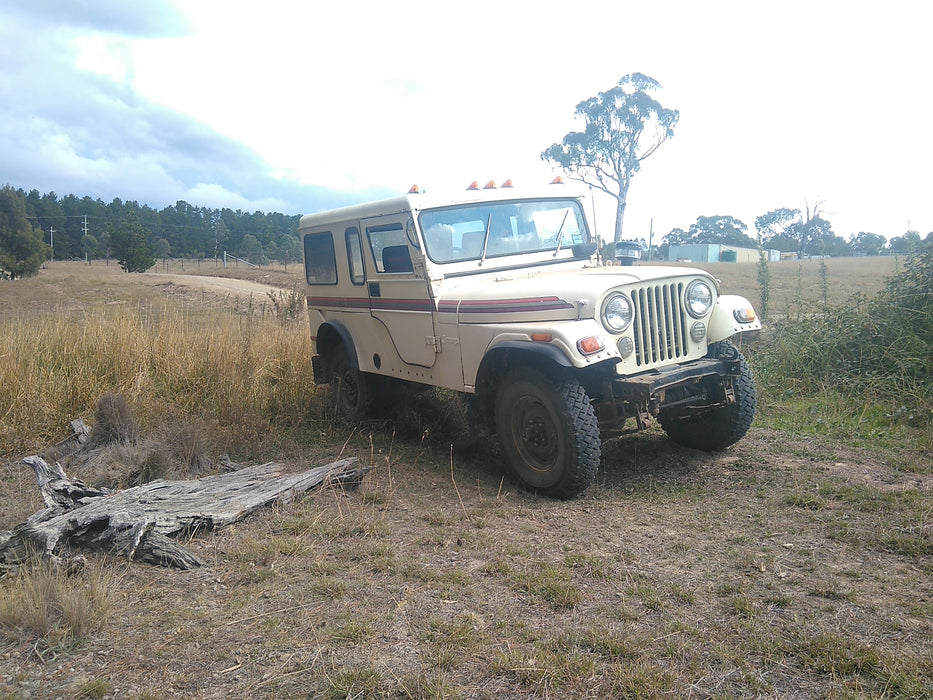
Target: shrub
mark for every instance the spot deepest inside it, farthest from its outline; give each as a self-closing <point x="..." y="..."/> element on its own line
<point x="880" y="346"/>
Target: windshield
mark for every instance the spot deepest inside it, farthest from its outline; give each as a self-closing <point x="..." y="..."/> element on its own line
<point x="489" y="230"/>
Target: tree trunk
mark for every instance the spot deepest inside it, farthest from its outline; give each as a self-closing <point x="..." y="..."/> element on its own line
<point x="620" y="210"/>
<point x="139" y="522"/>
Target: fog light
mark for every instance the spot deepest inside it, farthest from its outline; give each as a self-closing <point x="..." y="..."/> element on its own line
<point x="626" y="346"/>
<point x="746" y="315"/>
<point x="697" y="331"/>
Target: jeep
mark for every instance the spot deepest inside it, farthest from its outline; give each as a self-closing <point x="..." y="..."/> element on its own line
<point x="500" y="295"/>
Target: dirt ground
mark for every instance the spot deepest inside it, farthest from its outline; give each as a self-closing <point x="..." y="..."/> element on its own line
<point x="713" y="573"/>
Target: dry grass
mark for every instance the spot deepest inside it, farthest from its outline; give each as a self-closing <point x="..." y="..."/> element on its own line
<point x="787" y="566"/>
<point x="793" y="281"/>
<point x="53" y="608"/>
<point x="224" y="370"/>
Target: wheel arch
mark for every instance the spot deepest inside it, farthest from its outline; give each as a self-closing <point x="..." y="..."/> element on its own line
<point x="500" y="359"/>
<point x="331" y="334"/>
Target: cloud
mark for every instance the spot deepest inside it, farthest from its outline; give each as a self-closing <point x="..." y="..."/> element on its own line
<point x="72" y="122"/>
<point x="158" y="18"/>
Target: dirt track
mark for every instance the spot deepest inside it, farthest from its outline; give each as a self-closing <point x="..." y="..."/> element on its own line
<point x="203" y="282"/>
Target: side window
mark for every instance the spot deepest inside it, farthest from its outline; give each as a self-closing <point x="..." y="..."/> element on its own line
<point x="355" y="255"/>
<point x="390" y="248"/>
<point x="320" y="260"/>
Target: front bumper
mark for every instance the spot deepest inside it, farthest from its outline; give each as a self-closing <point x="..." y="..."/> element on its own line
<point x="644" y="387"/>
<point x="705" y="382"/>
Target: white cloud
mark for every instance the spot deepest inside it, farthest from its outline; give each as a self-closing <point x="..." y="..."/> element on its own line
<point x="101" y="55"/>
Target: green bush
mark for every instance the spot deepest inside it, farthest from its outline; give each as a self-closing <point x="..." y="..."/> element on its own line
<point x="880" y="346"/>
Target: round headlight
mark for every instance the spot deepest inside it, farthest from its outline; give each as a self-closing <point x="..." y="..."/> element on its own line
<point x="699" y="298"/>
<point x="617" y="313"/>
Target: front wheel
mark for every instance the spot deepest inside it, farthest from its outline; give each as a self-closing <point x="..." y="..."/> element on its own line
<point x="716" y="428"/>
<point x="548" y="432"/>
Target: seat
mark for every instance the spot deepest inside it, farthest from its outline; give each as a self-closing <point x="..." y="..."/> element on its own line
<point x="396" y="258"/>
<point x="472" y="244"/>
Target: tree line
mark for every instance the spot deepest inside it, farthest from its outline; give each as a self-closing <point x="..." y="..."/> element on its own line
<point x="35" y="227"/>
<point x="804" y="232"/>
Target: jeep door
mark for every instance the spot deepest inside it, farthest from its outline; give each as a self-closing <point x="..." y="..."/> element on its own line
<point x="399" y="293"/>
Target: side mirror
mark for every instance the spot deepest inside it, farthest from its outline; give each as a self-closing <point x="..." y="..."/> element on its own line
<point x="584" y="250"/>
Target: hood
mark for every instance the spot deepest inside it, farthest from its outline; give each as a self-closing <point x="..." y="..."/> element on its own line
<point x="526" y="295"/>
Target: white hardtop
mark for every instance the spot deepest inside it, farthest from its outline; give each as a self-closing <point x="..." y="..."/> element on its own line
<point x="414" y="202"/>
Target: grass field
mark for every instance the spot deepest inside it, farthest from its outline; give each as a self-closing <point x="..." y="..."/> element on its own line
<point x="796" y="564"/>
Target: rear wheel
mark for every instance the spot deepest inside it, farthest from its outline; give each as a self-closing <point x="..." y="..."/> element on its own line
<point x="548" y="432"/>
<point x="716" y="428"/>
<point x="351" y="395"/>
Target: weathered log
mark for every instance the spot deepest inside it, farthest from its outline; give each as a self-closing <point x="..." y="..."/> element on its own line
<point x="138" y="522"/>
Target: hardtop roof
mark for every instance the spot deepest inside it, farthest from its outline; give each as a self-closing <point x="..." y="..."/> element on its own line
<point x="430" y="200"/>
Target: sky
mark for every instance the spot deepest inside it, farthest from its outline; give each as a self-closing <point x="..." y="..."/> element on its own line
<point x="305" y="106"/>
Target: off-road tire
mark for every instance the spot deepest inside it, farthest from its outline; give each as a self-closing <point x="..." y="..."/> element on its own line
<point x="548" y="432"/>
<point x="351" y="396"/>
<point x="716" y="429"/>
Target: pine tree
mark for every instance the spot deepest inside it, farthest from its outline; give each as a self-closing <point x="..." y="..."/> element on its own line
<point x="130" y="245"/>
<point x="21" y="247"/>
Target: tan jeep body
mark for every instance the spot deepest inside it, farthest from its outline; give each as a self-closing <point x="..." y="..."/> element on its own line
<point x="495" y="285"/>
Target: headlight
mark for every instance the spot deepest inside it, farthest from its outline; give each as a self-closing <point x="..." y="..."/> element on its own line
<point x="617" y="313"/>
<point x="699" y="298"/>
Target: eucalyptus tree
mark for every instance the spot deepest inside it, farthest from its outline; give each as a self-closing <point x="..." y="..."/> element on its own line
<point x="802" y="232"/>
<point x="721" y="229"/>
<point x="622" y="127"/>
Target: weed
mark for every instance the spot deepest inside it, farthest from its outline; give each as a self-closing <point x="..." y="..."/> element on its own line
<point x="837" y="655"/>
<point x="356" y="683"/>
<point x="288" y="305"/>
<point x="53" y="608"/>
<point x="94" y="689"/>
<point x="550" y="584"/>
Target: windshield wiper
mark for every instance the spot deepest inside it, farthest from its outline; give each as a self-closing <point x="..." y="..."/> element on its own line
<point x="560" y="233"/>
<point x="482" y="257"/>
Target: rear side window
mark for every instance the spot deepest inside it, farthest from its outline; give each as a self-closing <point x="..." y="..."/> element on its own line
<point x="355" y="255"/>
<point x="320" y="260"/>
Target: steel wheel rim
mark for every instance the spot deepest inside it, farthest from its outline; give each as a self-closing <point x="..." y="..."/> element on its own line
<point x="536" y="435"/>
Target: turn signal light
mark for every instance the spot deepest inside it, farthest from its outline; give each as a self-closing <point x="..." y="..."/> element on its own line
<point x="542" y="337"/>
<point x="746" y="315"/>
<point x="590" y="345"/>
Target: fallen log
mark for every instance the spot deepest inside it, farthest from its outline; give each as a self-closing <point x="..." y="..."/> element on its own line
<point x="139" y="522"/>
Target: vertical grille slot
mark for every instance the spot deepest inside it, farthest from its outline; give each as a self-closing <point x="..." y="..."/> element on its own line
<point x="660" y="327"/>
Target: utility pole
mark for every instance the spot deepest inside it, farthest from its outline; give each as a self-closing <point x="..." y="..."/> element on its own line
<point x="650" y="237"/>
<point x="84" y="239"/>
<point x="52" y="241"/>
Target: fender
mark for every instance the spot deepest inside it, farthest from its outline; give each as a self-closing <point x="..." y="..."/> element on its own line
<point x="724" y="322"/>
<point x="326" y="340"/>
<point x="496" y="361"/>
<point x="545" y="350"/>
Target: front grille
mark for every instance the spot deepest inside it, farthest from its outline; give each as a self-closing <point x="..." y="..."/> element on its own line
<point x="660" y="323"/>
